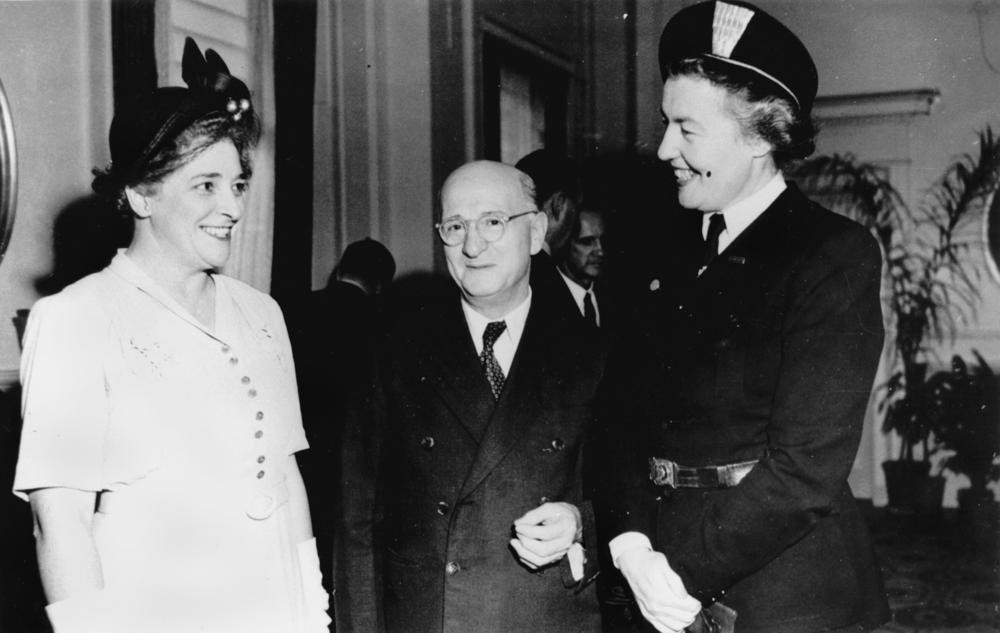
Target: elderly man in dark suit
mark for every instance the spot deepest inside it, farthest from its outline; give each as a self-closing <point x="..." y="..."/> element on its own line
<point x="734" y="409"/>
<point x="464" y="503"/>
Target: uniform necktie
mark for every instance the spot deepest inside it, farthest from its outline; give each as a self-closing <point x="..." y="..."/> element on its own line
<point x="716" y="225"/>
<point x="589" y="313"/>
<point x="490" y="365"/>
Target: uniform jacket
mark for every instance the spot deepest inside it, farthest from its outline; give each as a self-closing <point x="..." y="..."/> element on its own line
<point x="769" y="355"/>
<point x="435" y="473"/>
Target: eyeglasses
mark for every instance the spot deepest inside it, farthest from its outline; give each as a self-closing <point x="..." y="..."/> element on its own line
<point x="489" y="225"/>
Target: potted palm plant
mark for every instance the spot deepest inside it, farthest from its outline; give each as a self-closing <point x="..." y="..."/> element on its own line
<point x="928" y="287"/>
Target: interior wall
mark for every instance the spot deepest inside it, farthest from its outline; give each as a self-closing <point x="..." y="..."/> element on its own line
<point x="55" y="65"/>
<point x="397" y="107"/>
<point x="373" y="127"/>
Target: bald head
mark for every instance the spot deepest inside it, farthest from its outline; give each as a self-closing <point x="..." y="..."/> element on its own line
<point x="497" y="174"/>
<point x="492" y="275"/>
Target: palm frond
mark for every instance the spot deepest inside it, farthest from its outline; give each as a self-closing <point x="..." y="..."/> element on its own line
<point x="931" y="288"/>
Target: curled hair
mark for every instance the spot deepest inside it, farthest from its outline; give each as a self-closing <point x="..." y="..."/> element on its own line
<point x="180" y="150"/>
<point x="762" y="109"/>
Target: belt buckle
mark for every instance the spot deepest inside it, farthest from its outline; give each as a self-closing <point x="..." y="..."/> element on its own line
<point x="662" y="472"/>
<point x="689" y="477"/>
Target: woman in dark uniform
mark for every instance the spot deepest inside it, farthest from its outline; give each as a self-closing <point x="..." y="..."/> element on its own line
<point x="733" y="408"/>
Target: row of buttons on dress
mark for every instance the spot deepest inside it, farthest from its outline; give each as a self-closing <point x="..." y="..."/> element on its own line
<point x="262" y="505"/>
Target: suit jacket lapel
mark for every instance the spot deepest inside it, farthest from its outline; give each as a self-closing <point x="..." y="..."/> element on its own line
<point x="520" y="402"/>
<point x="452" y="367"/>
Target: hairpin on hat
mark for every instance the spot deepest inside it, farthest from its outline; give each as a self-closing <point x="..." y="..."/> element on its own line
<point x="209" y="74"/>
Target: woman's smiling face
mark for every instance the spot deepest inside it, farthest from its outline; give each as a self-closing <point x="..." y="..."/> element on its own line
<point x="193" y="211"/>
<point x="705" y="145"/>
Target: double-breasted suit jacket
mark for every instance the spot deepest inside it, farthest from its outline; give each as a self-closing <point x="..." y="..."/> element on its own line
<point x="436" y="471"/>
<point x="769" y="355"/>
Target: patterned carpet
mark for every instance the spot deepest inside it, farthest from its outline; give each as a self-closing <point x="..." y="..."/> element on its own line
<point x="942" y="572"/>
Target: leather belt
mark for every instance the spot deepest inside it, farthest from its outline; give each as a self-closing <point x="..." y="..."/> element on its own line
<point x="663" y="472"/>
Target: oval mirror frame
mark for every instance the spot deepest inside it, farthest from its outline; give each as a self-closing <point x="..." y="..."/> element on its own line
<point x="991" y="236"/>
<point x="8" y="173"/>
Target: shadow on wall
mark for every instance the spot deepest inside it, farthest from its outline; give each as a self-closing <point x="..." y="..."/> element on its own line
<point x="85" y="236"/>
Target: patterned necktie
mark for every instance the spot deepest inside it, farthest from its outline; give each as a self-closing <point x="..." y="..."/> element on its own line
<point x="589" y="313"/>
<point x="490" y="365"/>
<point x="716" y="225"/>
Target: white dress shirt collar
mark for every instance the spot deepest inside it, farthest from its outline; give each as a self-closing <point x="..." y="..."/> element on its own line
<point x="506" y="344"/>
<point x="579" y="292"/>
<point x="742" y="214"/>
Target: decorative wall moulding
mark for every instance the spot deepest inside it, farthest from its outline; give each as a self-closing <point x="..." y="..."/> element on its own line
<point x="894" y="104"/>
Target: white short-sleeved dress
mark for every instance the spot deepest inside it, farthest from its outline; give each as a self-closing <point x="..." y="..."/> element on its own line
<point x="185" y="432"/>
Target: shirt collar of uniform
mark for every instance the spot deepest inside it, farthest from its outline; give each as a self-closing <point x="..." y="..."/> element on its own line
<point x="515" y="320"/>
<point x="742" y="214"/>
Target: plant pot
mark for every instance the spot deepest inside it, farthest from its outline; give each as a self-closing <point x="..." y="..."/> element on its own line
<point x="978" y="516"/>
<point x="910" y="487"/>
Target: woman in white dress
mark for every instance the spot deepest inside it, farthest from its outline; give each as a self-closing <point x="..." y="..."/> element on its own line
<point x="160" y="410"/>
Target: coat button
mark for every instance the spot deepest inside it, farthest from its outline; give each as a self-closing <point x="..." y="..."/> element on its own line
<point x="427" y="442"/>
<point x="442" y="508"/>
<point x="452" y="568"/>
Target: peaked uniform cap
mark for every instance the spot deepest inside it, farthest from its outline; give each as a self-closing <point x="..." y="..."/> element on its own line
<point x="741" y="35"/>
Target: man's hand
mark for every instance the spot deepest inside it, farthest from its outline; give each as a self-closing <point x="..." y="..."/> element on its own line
<point x="544" y="535"/>
<point x="659" y="591"/>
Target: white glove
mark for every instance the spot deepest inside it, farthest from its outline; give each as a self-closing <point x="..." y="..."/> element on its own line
<point x="316" y="598"/>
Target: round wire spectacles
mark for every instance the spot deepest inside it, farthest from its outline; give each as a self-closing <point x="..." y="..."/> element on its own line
<point x="489" y="225"/>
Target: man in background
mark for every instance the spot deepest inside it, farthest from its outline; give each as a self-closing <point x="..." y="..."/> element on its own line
<point x="334" y="333"/>
<point x="580" y="264"/>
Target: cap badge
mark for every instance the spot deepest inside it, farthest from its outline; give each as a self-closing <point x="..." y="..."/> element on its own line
<point x="728" y="25"/>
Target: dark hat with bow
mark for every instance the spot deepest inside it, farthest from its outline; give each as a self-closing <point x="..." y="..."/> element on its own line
<point x="740" y="35"/>
<point x="148" y="121"/>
